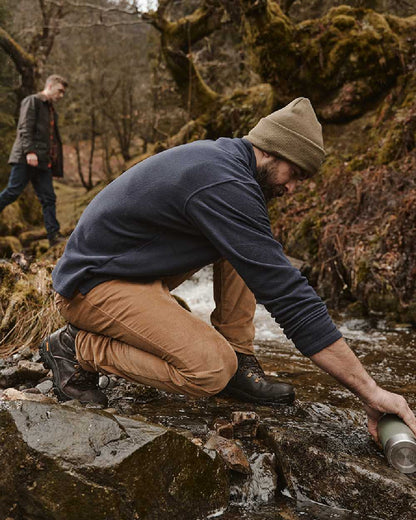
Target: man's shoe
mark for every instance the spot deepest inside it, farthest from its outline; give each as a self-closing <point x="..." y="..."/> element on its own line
<point x="55" y="239"/>
<point x="70" y="380"/>
<point x="249" y="384"/>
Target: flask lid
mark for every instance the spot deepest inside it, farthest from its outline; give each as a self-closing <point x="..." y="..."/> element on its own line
<point x="401" y="452"/>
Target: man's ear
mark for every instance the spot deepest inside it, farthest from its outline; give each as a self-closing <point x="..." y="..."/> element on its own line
<point x="266" y="154"/>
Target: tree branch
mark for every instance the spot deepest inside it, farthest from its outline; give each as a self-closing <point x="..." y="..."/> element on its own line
<point x="20" y="57"/>
<point x="25" y="62"/>
<point x="87" y="5"/>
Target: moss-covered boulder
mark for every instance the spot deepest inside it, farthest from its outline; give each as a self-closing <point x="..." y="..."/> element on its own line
<point x="71" y="464"/>
<point x="8" y="246"/>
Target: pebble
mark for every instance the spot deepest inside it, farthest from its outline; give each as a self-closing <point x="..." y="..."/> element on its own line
<point x="45" y="386"/>
<point x="104" y="382"/>
<point x="36" y="357"/>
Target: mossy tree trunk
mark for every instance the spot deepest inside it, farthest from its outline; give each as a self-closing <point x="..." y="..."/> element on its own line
<point x="30" y="61"/>
<point x="177" y="39"/>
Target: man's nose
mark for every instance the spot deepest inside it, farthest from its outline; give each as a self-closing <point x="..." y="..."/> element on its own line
<point x="291" y="185"/>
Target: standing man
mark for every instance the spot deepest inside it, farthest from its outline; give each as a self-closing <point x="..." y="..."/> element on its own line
<point x="162" y="220"/>
<point x="36" y="155"/>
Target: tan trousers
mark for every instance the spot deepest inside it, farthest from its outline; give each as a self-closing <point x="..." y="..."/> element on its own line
<point x="140" y="332"/>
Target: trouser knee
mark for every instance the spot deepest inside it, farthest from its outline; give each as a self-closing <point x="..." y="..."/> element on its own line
<point x="219" y="371"/>
<point x="8" y="196"/>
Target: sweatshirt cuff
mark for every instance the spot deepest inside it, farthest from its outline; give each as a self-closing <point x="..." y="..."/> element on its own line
<point x="311" y="339"/>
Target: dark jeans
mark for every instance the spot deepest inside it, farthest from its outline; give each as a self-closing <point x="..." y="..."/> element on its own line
<point x="20" y="175"/>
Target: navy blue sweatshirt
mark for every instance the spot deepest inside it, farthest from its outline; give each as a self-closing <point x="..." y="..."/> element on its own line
<point x="182" y="209"/>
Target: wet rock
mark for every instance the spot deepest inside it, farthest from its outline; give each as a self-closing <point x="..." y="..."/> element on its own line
<point x="245" y="424"/>
<point x="24" y="372"/>
<point x="223" y="428"/>
<point x="61" y="463"/>
<point x="260" y="488"/>
<point x="232" y="454"/>
<point x="325" y="456"/>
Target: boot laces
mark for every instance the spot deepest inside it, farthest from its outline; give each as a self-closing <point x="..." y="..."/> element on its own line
<point x="251" y="366"/>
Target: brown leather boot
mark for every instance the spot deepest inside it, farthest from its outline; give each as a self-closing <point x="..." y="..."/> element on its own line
<point x="70" y="380"/>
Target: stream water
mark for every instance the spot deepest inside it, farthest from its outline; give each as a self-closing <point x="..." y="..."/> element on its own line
<point x="387" y="353"/>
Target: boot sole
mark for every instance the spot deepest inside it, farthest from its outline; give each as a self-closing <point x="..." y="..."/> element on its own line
<point x="285" y="399"/>
<point x="49" y="363"/>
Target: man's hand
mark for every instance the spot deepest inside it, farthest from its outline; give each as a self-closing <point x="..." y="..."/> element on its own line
<point x="387" y="402"/>
<point x="339" y="361"/>
<point x="32" y="159"/>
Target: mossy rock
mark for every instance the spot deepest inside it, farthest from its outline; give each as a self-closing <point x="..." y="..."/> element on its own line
<point x="30" y="236"/>
<point x="343" y="22"/>
<point x="8" y="246"/>
<point x="11" y="220"/>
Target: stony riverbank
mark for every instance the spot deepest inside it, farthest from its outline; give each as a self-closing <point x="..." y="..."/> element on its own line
<point x="149" y="452"/>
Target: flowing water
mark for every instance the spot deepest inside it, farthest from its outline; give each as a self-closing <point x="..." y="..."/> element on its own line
<point x="387" y="353"/>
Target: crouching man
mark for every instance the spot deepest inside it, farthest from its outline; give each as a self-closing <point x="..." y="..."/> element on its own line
<point x="160" y="222"/>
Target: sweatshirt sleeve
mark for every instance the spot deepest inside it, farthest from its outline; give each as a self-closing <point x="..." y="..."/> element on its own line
<point x="233" y="217"/>
<point x="26" y="125"/>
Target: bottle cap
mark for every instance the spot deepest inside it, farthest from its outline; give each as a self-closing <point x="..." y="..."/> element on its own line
<point x="400" y="451"/>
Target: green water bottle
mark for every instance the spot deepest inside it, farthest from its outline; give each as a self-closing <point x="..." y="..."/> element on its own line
<point x="399" y="443"/>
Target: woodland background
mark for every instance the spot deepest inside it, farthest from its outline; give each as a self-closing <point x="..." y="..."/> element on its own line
<point x="145" y="76"/>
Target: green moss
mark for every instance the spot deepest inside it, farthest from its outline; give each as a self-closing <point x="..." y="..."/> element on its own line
<point x="348" y="46"/>
<point x="362" y="271"/>
<point x="343" y="22"/>
<point x="9" y="245"/>
<point x="303" y="239"/>
<point x="383" y="301"/>
<point x="241" y="111"/>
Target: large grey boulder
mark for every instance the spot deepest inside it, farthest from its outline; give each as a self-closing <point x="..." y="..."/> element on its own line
<point x="61" y="463"/>
<point x="326" y="455"/>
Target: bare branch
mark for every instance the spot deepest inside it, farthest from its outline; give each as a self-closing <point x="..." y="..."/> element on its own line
<point x="87" y="5"/>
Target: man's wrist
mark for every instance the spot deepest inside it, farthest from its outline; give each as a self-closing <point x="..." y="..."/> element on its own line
<point x="364" y="388"/>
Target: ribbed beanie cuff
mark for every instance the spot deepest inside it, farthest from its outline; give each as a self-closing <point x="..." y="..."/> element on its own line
<point x="293" y="132"/>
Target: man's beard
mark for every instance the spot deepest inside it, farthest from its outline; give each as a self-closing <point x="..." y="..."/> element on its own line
<point x="270" y="191"/>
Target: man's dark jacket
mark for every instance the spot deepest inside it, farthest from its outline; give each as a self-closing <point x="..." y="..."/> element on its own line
<point x="33" y="134"/>
<point x="185" y="208"/>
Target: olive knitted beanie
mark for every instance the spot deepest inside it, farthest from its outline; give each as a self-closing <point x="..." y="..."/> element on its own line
<point x="293" y="132"/>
